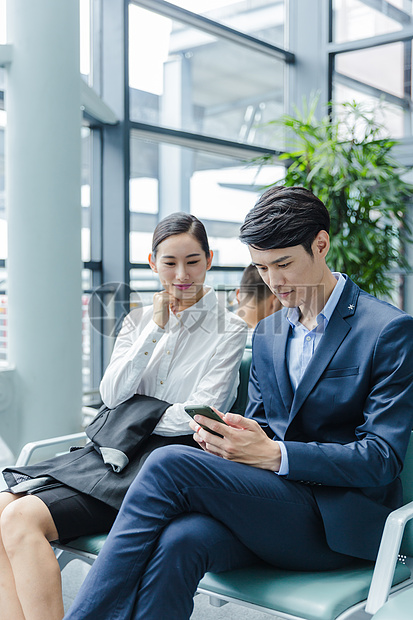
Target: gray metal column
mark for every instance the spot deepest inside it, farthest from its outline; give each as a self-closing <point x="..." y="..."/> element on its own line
<point x="308" y="32"/>
<point x="115" y="164"/>
<point x="175" y="162"/>
<point x="44" y="216"/>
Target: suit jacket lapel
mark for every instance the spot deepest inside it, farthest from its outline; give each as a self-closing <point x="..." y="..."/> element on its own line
<point x="336" y="331"/>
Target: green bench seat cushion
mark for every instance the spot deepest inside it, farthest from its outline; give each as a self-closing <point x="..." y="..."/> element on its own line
<point x="90" y="544"/>
<point x="314" y="596"/>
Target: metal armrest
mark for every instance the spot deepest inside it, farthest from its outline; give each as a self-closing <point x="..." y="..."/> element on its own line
<point x="387" y="557"/>
<point x="88" y="414"/>
<point x="28" y="450"/>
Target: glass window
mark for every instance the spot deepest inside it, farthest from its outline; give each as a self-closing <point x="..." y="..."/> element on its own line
<point x="91" y="342"/>
<point x="144" y="283"/>
<point x="86" y="348"/>
<point x="392" y="117"/>
<point x="140" y="245"/>
<point x="226" y="279"/>
<point x="186" y="79"/>
<point x="263" y="19"/>
<point x="85" y="194"/>
<point x="3" y="315"/>
<point x="3" y="222"/>
<point x="229" y="251"/>
<point x="382" y="72"/>
<point x="355" y="19"/>
<point x="379" y="67"/>
<point x="220" y="190"/>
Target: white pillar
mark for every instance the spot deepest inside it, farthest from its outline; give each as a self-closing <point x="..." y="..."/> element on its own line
<point x="43" y="202"/>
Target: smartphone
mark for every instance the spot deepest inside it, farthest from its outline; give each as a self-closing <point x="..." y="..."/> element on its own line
<point x="206" y="411"/>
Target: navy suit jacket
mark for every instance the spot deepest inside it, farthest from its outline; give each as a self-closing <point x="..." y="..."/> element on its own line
<point x="347" y="426"/>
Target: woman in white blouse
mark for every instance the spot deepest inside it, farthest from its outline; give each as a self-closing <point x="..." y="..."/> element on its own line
<point x="184" y="349"/>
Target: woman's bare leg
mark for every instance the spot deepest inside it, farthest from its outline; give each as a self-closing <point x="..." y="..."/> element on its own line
<point x="27" y="527"/>
<point x="9" y="602"/>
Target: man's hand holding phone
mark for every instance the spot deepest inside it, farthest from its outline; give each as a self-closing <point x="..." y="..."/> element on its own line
<point x="207" y="412"/>
<point x="235" y="438"/>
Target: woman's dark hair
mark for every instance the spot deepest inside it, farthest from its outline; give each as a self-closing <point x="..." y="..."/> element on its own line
<point x="253" y="285"/>
<point x="176" y="224"/>
<point x="284" y="217"/>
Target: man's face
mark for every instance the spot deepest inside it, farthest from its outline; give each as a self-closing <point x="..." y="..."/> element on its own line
<point x="291" y="273"/>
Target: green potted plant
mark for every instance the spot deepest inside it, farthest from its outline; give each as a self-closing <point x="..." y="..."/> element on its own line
<point x="346" y="160"/>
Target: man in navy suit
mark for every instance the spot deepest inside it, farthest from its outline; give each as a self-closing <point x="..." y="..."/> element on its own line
<point x="307" y="479"/>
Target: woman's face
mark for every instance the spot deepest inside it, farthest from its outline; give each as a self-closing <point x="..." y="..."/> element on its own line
<point x="181" y="264"/>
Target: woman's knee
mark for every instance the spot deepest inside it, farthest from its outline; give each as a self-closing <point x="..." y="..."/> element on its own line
<point x="6" y="499"/>
<point x="22" y="519"/>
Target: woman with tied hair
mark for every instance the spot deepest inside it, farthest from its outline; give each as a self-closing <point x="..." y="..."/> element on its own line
<point x="255" y="299"/>
<point x="185" y="349"/>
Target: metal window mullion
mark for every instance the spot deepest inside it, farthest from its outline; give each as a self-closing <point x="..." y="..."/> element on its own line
<point x="96" y="21"/>
<point x="377" y="93"/>
<point x="214" y="28"/>
<point x="388" y="9"/>
<point x="199" y="141"/>
<point x="407" y="86"/>
<point x="384" y="39"/>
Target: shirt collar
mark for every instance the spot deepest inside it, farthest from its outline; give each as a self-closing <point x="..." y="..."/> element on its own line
<point x="293" y="314"/>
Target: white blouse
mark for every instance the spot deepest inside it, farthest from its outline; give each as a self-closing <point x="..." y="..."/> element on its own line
<point x="194" y="360"/>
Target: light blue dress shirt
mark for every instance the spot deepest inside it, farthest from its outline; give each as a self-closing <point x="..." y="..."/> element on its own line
<point x="302" y="344"/>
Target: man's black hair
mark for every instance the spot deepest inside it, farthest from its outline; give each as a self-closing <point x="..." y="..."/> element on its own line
<point x="284" y="217"/>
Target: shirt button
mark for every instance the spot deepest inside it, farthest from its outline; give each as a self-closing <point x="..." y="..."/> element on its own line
<point x="168" y="353"/>
<point x="179" y="316"/>
<point x="154" y="340"/>
<point x="161" y="382"/>
<point x="146" y="352"/>
<point x="308" y="338"/>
